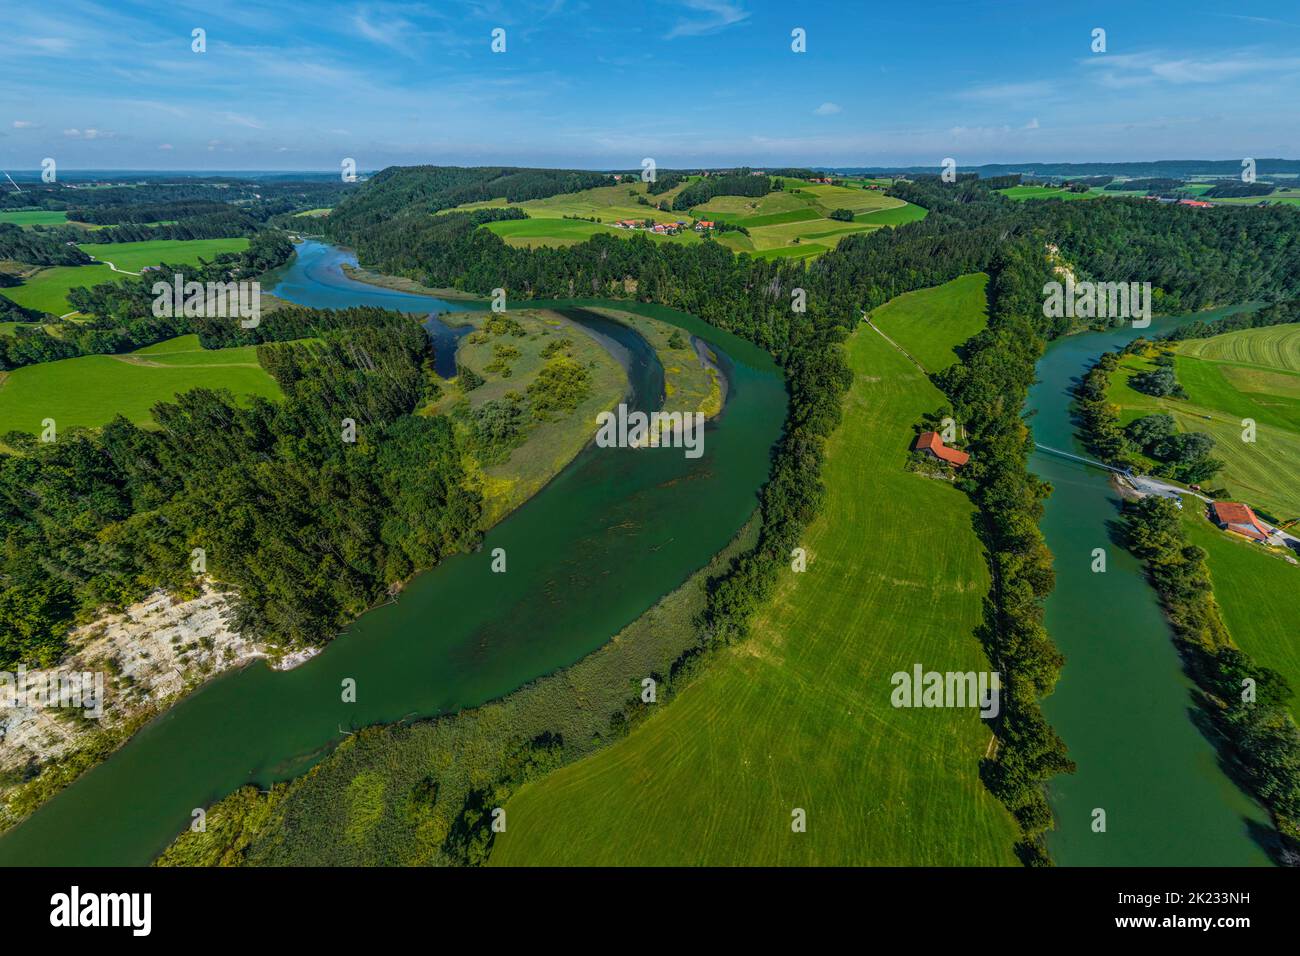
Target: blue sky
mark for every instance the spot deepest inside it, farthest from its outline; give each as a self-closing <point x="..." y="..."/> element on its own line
<point x="300" y="84"/>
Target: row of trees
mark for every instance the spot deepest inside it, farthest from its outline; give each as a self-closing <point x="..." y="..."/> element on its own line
<point x="1248" y="704"/>
<point x="38" y="248"/>
<point x="987" y="389"/>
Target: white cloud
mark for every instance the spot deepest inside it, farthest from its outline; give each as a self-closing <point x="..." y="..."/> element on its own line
<point x="1141" y="69"/>
<point x="1000" y="92"/>
<point x="89" y="133"/>
<point x="49" y="44"/>
<point x="1032" y="124"/>
<point x="166" y="146"/>
<point x="242" y="120"/>
<point x="26" y="124"/>
<point x="717" y="15"/>
<point x="827" y="109"/>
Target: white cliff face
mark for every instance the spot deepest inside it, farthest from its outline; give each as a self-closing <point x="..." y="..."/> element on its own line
<point x="148" y="655"/>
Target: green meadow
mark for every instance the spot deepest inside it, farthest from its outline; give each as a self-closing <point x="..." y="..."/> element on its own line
<point x="1251" y="374"/>
<point x="932" y="322"/>
<point x="89" y="391"/>
<point x="798" y="716"/>
<point x="1021" y="193"/>
<point x="1255" y="589"/>
<point x="47" y="289"/>
<point x="34" y="217"/>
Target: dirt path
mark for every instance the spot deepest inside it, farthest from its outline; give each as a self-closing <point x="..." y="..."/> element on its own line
<point x="911" y="358"/>
<point x="113" y="267"/>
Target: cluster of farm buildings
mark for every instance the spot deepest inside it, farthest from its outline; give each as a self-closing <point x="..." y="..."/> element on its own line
<point x="664" y="228"/>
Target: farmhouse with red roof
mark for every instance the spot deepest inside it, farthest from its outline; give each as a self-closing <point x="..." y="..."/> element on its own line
<point x="932" y="443"/>
<point x="1231" y="516"/>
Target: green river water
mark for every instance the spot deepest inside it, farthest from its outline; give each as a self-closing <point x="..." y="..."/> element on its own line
<point x="611" y="534"/>
<point x="1123" y="704"/>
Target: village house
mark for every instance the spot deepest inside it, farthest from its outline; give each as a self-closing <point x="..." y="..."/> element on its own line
<point x="703" y="224"/>
<point x="1198" y="203"/>
<point x="931" y="442"/>
<point x="1236" y="517"/>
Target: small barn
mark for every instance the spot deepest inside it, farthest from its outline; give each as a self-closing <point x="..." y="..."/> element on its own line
<point x="931" y="443"/>
<point x="1234" y="516"/>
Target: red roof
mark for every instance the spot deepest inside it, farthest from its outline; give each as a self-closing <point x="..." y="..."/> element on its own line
<point x="931" y="442"/>
<point x="1239" y="518"/>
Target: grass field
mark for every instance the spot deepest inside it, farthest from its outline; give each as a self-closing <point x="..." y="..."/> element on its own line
<point x="1285" y="195"/>
<point x="567" y="232"/>
<point x="89" y="391"/>
<point x="791" y="223"/>
<point x="1021" y="193"/>
<point x="47" y="289"/>
<point x="34" y="217"/>
<point x="1252" y="374"/>
<point x="931" y="323"/>
<point x="1256" y="592"/>
<point x="798" y="715"/>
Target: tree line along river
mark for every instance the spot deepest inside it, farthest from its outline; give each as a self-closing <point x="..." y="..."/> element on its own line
<point x="611" y="534"/>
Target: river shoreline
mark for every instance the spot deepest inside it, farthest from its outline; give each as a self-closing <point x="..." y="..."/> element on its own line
<point x="1123" y="701"/>
<point x="461" y="635"/>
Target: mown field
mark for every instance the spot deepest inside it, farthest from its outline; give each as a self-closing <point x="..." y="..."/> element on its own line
<point x="89" y="391"/>
<point x="1021" y="193"/>
<point x="567" y="232"/>
<point x="47" y="289"/>
<point x="799" y="715"/>
<point x="1256" y="592"/>
<point x="1252" y="374"/>
<point x="933" y="322"/>
<point x="1284" y="195"/>
<point x="34" y="217"/>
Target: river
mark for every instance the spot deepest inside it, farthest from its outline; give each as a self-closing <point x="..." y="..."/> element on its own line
<point x="1123" y="705"/>
<point x="611" y="534"/>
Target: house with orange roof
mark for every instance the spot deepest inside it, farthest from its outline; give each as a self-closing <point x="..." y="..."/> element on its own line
<point x="931" y="442"/>
<point x="1236" y="517"/>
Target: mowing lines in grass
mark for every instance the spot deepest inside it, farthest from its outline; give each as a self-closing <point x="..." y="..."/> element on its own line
<point x="799" y="715"/>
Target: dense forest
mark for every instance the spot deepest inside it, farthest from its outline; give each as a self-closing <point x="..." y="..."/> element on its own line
<point x="38" y="248"/>
<point x="225" y="223"/>
<point x="739" y="183"/>
<point x="308" y="528"/>
<point x="409" y="192"/>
